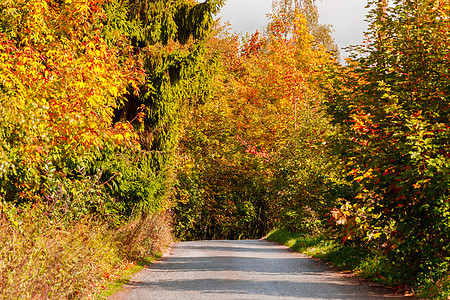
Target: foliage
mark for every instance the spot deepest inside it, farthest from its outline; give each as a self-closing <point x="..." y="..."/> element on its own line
<point x="128" y="176"/>
<point x="58" y="87"/>
<point x="249" y="153"/>
<point x="392" y="108"/>
<point x="168" y="39"/>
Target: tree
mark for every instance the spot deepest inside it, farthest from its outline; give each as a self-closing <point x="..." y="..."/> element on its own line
<point x="249" y="152"/>
<point x="217" y="185"/>
<point x="59" y="81"/>
<point x="168" y="37"/>
<point x="391" y="105"/>
<point x="286" y="11"/>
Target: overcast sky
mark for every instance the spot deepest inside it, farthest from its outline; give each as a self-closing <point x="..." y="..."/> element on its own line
<point x="346" y="17"/>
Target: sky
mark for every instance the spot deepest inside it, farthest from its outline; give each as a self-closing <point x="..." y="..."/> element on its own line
<point x="346" y="16"/>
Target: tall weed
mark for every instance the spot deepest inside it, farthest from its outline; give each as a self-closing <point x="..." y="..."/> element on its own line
<point x="146" y="235"/>
<point x="43" y="257"/>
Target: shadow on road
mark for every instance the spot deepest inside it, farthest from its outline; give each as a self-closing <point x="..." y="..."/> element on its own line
<point x="250" y="269"/>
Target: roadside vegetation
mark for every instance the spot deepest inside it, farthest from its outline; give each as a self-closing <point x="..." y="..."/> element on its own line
<point x="127" y="123"/>
<point x="90" y="100"/>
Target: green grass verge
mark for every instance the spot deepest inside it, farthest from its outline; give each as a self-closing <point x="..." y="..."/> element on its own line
<point x="366" y="263"/>
<point x="124" y="275"/>
<point x="370" y="265"/>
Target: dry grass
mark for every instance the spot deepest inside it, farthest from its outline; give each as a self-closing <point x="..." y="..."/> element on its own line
<point x="41" y="258"/>
<point x="146" y="235"/>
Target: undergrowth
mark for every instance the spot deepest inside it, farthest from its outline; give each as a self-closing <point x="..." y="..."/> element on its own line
<point x="122" y="277"/>
<point x="370" y="264"/>
<point x="43" y="257"/>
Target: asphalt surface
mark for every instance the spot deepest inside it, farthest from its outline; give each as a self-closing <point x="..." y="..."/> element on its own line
<point x="247" y="269"/>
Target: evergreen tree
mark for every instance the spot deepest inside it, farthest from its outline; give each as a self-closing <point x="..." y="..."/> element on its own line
<point x="168" y="38"/>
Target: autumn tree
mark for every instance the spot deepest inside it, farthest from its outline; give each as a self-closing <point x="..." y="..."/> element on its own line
<point x="286" y="11"/>
<point x="392" y="107"/>
<point x="216" y="184"/>
<point x="250" y="151"/>
<point x="59" y="81"/>
<point x="286" y="97"/>
<point x="96" y="88"/>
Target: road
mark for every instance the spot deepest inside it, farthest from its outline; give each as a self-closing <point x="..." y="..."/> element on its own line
<point x="247" y="269"/>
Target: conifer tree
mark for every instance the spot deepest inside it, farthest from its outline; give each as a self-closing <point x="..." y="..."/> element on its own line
<point x="168" y="38"/>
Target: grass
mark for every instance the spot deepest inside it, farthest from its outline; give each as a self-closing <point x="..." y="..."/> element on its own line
<point x="124" y="275"/>
<point x="436" y="289"/>
<point x="43" y="259"/>
<point x="367" y="264"/>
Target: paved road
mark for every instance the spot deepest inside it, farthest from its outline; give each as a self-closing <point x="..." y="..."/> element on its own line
<point x="251" y="269"/>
